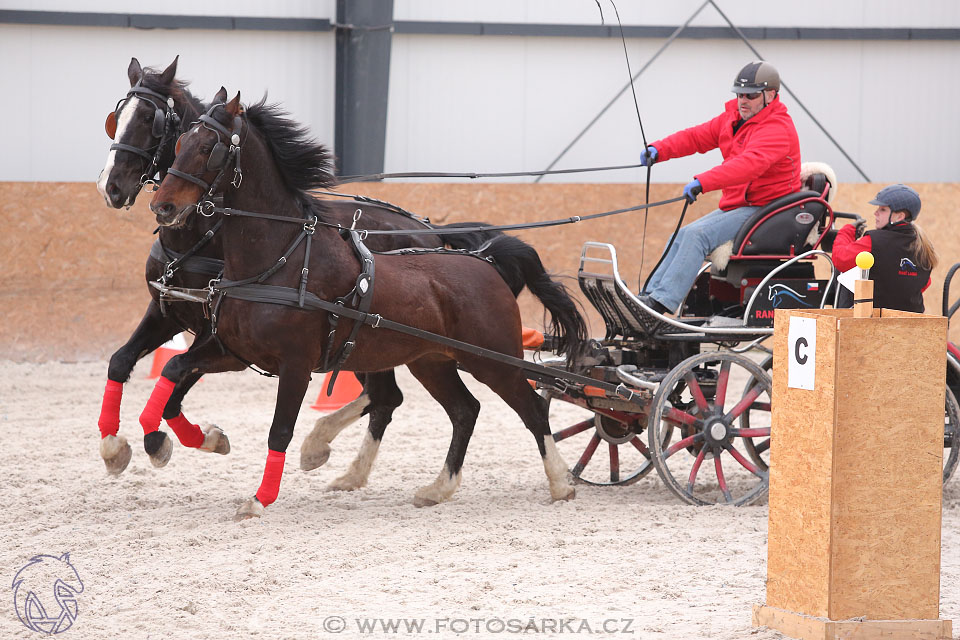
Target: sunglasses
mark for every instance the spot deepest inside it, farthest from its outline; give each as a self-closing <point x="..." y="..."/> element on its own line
<point x="750" y="96"/>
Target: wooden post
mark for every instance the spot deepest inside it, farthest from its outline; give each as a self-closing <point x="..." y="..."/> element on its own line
<point x="863" y="287"/>
<point x="854" y="524"/>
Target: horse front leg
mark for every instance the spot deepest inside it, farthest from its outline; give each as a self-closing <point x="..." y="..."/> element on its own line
<point x="203" y="357"/>
<point x="154" y="329"/>
<point x="294" y="379"/>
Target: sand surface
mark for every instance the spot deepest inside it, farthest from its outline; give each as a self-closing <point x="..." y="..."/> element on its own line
<point x="161" y="557"/>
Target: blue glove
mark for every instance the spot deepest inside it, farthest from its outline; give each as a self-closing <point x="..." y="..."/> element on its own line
<point x="648" y="156"/>
<point x="692" y="190"/>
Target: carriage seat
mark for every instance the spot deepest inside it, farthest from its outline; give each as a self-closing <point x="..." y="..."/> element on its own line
<point x="781" y="229"/>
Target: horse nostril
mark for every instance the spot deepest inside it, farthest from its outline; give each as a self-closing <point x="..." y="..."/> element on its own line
<point x="162" y="208"/>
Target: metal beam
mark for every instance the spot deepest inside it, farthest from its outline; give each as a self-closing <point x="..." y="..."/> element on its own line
<point x="415" y="27"/>
<point x="364" y="30"/>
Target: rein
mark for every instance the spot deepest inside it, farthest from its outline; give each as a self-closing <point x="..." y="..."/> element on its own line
<point x="457" y="230"/>
<point x="371" y="177"/>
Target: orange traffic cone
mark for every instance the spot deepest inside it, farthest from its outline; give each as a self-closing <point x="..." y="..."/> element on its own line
<point x="164" y="352"/>
<point x="345" y="390"/>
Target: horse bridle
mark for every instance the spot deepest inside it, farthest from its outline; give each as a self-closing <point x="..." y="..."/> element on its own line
<point x="220" y="159"/>
<point x="166" y="122"/>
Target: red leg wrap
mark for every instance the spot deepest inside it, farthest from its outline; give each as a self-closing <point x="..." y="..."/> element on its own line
<point x="188" y="433"/>
<point x="150" y="418"/>
<point x="109" y="422"/>
<point x="270" y="486"/>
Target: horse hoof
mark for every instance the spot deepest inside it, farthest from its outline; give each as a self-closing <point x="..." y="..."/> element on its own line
<point x="568" y="493"/>
<point x="161" y="456"/>
<point x="215" y="441"/>
<point x="420" y="501"/>
<point x="344" y="483"/>
<point x="116" y="452"/>
<point x="313" y="458"/>
<point x="249" y="509"/>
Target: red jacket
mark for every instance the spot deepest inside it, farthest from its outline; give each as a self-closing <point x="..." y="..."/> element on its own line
<point x="761" y="162"/>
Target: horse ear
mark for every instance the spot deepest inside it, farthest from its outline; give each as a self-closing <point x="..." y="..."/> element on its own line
<point x="134" y="72"/>
<point x="233" y="107"/>
<point x="169" y="73"/>
<point x="221" y="95"/>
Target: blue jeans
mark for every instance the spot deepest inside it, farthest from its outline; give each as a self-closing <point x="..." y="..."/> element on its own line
<point x="673" y="279"/>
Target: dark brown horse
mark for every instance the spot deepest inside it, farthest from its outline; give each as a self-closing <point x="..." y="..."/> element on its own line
<point x="461" y="297"/>
<point x="144" y="126"/>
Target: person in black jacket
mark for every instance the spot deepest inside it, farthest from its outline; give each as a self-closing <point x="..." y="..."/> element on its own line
<point x="903" y="256"/>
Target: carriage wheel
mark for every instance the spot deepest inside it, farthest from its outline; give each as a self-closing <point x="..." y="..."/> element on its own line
<point x="698" y="396"/>
<point x="758" y="448"/>
<point x="605" y="446"/>
<point x="951" y="435"/>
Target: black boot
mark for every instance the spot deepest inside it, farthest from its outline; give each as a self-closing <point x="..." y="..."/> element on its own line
<point x="654" y="304"/>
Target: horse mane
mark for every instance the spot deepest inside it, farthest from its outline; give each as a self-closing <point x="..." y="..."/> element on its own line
<point x="303" y="162"/>
<point x="178" y="91"/>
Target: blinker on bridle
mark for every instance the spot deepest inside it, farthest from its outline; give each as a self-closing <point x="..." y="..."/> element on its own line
<point x="165" y="119"/>
<point x="219" y="160"/>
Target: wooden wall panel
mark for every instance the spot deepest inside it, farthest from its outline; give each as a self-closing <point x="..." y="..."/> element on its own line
<point x="72" y="285"/>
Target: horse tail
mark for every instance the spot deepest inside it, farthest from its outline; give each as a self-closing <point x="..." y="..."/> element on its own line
<point x="519" y="265"/>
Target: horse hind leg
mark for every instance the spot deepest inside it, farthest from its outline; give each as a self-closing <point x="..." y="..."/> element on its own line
<point x="385" y="397"/>
<point x="315" y="450"/>
<point x="512" y="386"/>
<point x="440" y="378"/>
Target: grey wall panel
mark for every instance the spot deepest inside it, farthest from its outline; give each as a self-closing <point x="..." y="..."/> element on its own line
<point x="69" y="78"/>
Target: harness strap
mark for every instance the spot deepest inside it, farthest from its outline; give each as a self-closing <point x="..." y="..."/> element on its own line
<point x="117" y="146"/>
<point x="362" y="291"/>
<point x="189" y="177"/>
<point x="288" y="296"/>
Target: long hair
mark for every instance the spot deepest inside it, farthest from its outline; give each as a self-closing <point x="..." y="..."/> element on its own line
<point x="922" y="248"/>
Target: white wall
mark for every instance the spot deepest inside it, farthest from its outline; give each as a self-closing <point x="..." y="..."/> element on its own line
<point x="486" y="103"/>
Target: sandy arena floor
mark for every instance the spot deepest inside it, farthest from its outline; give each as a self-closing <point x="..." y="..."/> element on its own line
<point x="161" y="557"/>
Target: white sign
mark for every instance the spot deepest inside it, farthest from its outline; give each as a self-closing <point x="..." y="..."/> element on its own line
<point x="802" y="345"/>
<point x="848" y="277"/>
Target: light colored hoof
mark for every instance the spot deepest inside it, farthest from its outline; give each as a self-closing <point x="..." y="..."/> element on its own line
<point x="215" y="441"/>
<point x="162" y="457"/>
<point x="423" y="501"/>
<point x="346" y="483"/>
<point x="249" y="509"/>
<point x="314" y="456"/>
<point x="116" y="452"/>
<point x="563" y="493"/>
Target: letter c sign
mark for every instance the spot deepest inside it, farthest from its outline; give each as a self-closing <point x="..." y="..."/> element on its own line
<point x="802" y="364"/>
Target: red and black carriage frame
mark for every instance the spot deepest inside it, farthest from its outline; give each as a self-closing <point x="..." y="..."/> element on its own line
<point x="703" y="377"/>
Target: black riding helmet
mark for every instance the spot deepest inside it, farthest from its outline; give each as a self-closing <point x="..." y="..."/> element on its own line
<point x="757" y="76"/>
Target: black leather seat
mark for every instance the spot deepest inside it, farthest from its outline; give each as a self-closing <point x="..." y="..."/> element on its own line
<point x="781" y="229"/>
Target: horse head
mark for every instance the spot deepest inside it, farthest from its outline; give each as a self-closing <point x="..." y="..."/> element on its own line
<point x="205" y="154"/>
<point x="143" y="126"/>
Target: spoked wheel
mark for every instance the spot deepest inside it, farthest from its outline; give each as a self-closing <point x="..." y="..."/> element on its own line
<point x="758" y="448"/>
<point x="604" y="446"/>
<point x="712" y="462"/>
<point x="951" y="435"/>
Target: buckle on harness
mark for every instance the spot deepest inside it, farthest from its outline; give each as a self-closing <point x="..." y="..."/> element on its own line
<point x="310" y="227"/>
<point x="206" y="208"/>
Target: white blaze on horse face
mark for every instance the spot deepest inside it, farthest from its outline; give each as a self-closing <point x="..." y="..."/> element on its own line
<point x="126" y="117"/>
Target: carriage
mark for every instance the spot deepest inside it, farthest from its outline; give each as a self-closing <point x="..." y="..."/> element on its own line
<point x="704" y="376"/>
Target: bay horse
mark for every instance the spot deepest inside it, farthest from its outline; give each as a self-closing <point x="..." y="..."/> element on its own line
<point x="461" y="297"/>
<point x="144" y="126"/>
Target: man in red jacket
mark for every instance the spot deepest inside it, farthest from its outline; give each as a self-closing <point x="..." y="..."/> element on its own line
<point x="761" y="162"/>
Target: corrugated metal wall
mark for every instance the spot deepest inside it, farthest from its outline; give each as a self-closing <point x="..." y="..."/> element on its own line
<point x="506" y="103"/>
